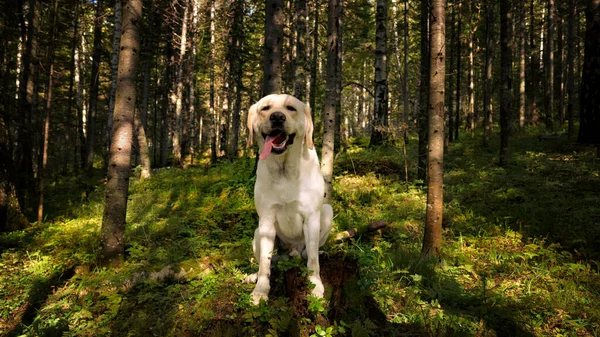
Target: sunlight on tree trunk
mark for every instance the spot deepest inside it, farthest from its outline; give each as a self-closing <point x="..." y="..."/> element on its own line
<point x="117" y="183"/>
<point x="432" y="238"/>
<point x="506" y="96"/>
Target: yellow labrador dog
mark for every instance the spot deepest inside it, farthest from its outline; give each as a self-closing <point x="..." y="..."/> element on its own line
<point x="289" y="188"/>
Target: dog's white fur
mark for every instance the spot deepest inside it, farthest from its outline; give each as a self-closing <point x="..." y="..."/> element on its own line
<point x="288" y="193"/>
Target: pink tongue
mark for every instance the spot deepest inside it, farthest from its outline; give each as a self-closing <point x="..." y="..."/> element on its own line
<point x="267" y="147"/>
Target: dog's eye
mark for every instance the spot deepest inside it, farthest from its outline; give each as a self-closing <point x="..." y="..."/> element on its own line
<point x="291" y="108"/>
<point x="265" y="108"/>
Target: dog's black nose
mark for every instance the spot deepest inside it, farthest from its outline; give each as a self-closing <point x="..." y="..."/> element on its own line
<point x="277" y="117"/>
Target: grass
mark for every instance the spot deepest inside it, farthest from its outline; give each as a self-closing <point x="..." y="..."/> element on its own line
<point x="519" y="256"/>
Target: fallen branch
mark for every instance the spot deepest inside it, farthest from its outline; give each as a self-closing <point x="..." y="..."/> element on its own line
<point x="353" y="232"/>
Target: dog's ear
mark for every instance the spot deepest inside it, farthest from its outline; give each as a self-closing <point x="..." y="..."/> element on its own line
<point x="251" y="117"/>
<point x="308" y="134"/>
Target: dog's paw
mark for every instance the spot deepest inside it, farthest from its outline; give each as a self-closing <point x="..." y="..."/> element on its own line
<point x="258" y="296"/>
<point x="319" y="289"/>
<point x="251" y="278"/>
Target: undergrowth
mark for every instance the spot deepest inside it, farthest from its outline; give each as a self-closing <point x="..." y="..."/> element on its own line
<point x="518" y="259"/>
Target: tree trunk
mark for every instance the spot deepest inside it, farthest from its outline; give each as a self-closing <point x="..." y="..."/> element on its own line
<point x="142" y="145"/>
<point x="301" y="64"/>
<point x="488" y="90"/>
<point x="506" y="37"/>
<point x="451" y="73"/>
<point x="471" y="74"/>
<point x="560" y="73"/>
<point x="329" y="112"/>
<point x="432" y="238"/>
<point x="211" y="106"/>
<point x="73" y="131"/>
<point x="48" y="108"/>
<point x="193" y="112"/>
<point x="315" y="57"/>
<point x="405" y="82"/>
<point x="423" y="92"/>
<point x="117" y="183"/>
<point x="273" y="47"/>
<point x="454" y="133"/>
<point x="236" y="50"/>
<point x="94" y="84"/>
<point x="26" y="97"/>
<point x="178" y="98"/>
<point x="114" y="68"/>
<point x="534" y="65"/>
<point x="522" y="97"/>
<point x="571" y="69"/>
<point x="380" y="112"/>
<point x="549" y="67"/>
<point x="589" y="122"/>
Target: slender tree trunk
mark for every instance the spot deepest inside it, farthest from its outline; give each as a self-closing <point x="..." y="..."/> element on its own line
<point x="380" y="112"/>
<point x="471" y="76"/>
<point x="94" y="84"/>
<point x="114" y="68"/>
<point x="315" y="57"/>
<point x="458" y="73"/>
<point x="534" y="67"/>
<point x="571" y="69"/>
<point x="506" y="49"/>
<point x="142" y="145"/>
<point x="329" y="112"/>
<point x="405" y="82"/>
<point x="178" y="98"/>
<point x="26" y="98"/>
<point x="236" y="49"/>
<point x="560" y="73"/>
<point x="432" y="238"/>
<point x="73" y="132"/>
<point x="164" y="109"/>
<point x="117" y="183"/>
<point x="148" y="62"/>
<point x="193" y="112"/>
<point x="211" y="65"/>
<point x="549" y="67"/>
<point x="48" y="108"/>
<point x="589" y="122"/>
<point x="301" y="64"/>
<point x="522" y="96"/>
<point x="488" y="90"/>
<point x="272" y="64"/>
<point x="423" y="92"/>
<point x="452" y="72"/>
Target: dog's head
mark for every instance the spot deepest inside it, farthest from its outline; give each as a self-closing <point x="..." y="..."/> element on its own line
<point x="277" y="121"/>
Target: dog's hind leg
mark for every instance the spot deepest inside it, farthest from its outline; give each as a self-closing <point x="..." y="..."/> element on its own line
<point x="326" y="223"/>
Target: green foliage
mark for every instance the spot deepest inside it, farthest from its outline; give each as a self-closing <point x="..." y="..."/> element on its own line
<point x="518" y="256"/>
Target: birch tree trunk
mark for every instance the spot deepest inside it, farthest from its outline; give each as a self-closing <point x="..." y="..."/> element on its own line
<point x="506" y="50"/>
<point x="301" y="64"/>
<point x="315" y="57"/>
<point x="521" y="37"/>
<point x="117" y="183"/>
<point x="432" y="238"/>
<point x="454" y="133"/>
<point x="237" y="68"/>
<point x="211" y="65"/>
<point x="380" y="112"/>
<point x="329" y="112"/>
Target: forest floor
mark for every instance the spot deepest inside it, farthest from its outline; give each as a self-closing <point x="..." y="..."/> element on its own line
<point x="520" y="253"/>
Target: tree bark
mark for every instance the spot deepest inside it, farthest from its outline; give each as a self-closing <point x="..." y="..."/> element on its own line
<point x="272" y="62"/>
<point x="114" y="67"/>
<point x="301" y="64"/>
<point x="94" y="85"/>
<point x="571" y="69"/>
<point x="589" y="120"/>
<point x="506" y="50"/>
<point x="329" y="112"/>
<point x="211" y="65"/>
<point x="117" y="184"/>
<point x="454" y="133"/>
<point x="534" y="65"/>
<point x="48" y="108"/>
<point x="432" y="238"/>
<point x="521" y="37"/>
<point x="380" y="112"/>
<point x="423" y="92"/>
<point x="236" y="52"/>
<point x="313" y="67"/>
<point x="488" y="90"/>
<point x="405" y="82"/>
<point x="177" y="99"/>
<point x="549" y="67"/>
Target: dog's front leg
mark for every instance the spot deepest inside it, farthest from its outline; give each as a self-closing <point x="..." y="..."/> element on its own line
<point x="264" y="242"/>
<point x="311" y="235"/>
